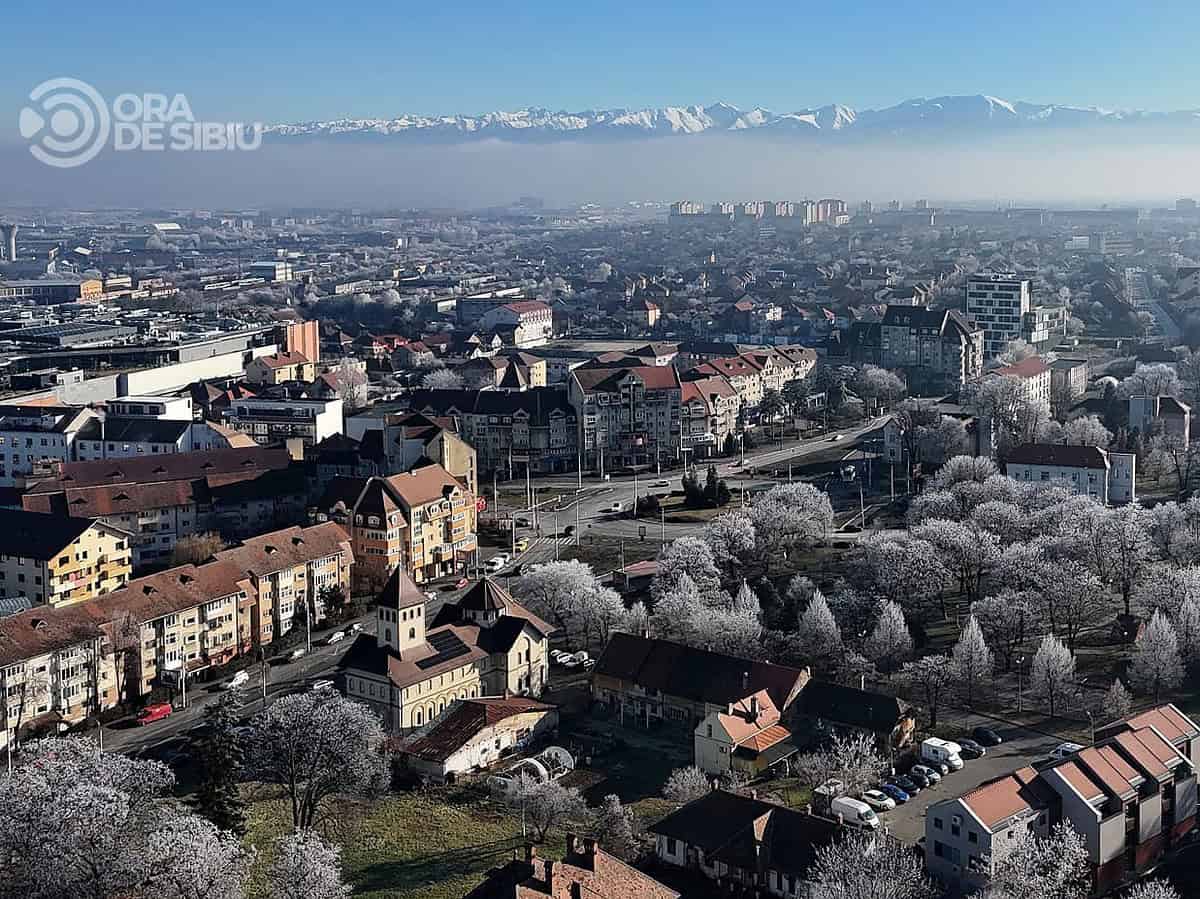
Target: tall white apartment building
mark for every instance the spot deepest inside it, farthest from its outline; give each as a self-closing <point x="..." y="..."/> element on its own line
<point x="997" y="303"/>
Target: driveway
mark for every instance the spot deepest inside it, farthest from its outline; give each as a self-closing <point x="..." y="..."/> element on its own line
<point x="1020" y="747"/>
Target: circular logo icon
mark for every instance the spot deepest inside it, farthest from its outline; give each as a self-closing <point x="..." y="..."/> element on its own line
<point x="67" y="122"/>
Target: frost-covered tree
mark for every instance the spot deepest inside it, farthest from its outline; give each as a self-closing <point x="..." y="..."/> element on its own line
<point x="546" y="804"/>
<point x="1155" y="379"/>
<point x="877" y="385"/>
<point x="77" y="821"/>
<point x="315" y="746"/>
<point x="686" y="784"/>
<point x="1127" y="542"/>
<point x="677" y="612"/>
<point x="865" y="865"/>
<point x="890" y="643"/>
<point x="612" y="826"/>
<point x="1087" y="430"/>
<point x="907" y="571"/>
<point x="930" y="679"/>
<point x="967" y="551"/>
<point x="1052" y="675"/>
<point x="962" y="469"/>
<point x="569" y="594"/>
<point x="791" y="515"/>
<point x="689" y="556"/>
<point x="1117" y="701"/>
<point x="1187" y="631"/>
<point x="731" y="539"/>
<point x="972" y="660"/>
<point x="307" y="867"/>
<point x="818" y="636"/>
<point x="1052" y="867"/>
<point x="1153" y="889"/>
<point x="1005" y="620"/>
<point x="1156" y="666"/>
<point x="442" y="379"/>
<point x="852" y="759"/>
<point x="1164" y="588"/>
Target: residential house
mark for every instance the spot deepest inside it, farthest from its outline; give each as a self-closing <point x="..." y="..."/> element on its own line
<point x="1106" y="476"/>
<point x="401" y="441"/>
<point x="422" y="521"/>
<point x="1034" y="376"/>
<point x="1161" y="415"/>
<point x="412" y="670"/>
<point x="476" y="733"/>
<point x="280" y="367"/>
<point x="747" y="737"/>
<point x="530" y="321"/>
<point x="270" y="420"/>
<point x="745" y="844"/>
<point x="826" y="707"/>
<point x="586" y="872"/>
<point x="55" y="560"/>
<point x="1068" y="380"/>
<point x="644" y="682"/>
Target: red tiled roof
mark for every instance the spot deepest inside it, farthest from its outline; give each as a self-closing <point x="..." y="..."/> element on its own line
<point x="1026" y="368"/>
<point x="465" y="721"/>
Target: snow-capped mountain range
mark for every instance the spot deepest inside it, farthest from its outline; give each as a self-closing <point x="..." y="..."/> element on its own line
<point x="939" y="114"/>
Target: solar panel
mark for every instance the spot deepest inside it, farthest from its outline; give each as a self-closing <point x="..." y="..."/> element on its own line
<point x="446" y="645"/>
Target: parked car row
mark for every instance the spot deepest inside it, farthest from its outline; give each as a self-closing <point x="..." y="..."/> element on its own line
<point x="572" y="660"/>
<point x="937" y="758"/>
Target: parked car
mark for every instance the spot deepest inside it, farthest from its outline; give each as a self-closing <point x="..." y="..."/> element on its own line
<point x="296" y="654"/>
<point x="615" y="508"/>
<point x="907" y="784"/>
<point x="522" y="544"/>
<point x="557" y="655"/>
<point x="355" y="628"/>
<point x="237" y="680"/>
<point x="430" y="595"/>
<point x="835" y="438"/>
<point x="522" y="522"/>
<point x="894" y="793"/>
<point x="493" y="565"/>
<point x="969" y="749"/>
<point x="854" y="812"/>
<point x="335" y="637"/>
<point x="941" y="754"/>
<point x="155" y="712"/>
<point x="878" y="800"/>
<point x="461" y="583"/>
<point x="926" y="772"/>
<point x="662" y="483"/>
<point x="320" y="686"/>
<point x="1063" y="750"/>
<point x="986" y="736"/>
<point x="919" y="779"/>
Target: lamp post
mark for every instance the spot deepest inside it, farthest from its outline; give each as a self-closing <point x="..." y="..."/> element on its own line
<point x="1020" y="662"/>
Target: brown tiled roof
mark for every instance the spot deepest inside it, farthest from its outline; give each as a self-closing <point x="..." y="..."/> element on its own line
<point x="471" y="716"/>
<point x="122" y="499"/>
<point x="270" y="552"/>
<point x="401" y="592"/>
<point x="766" y="738"/>
<point x="422" y="485"/>
<point x="1059" y="454"/>
<point x="997" y="801"/>
<point x="43" y="629"/>
<point x="1026" y="368"/>
<point x="486" y="596"/>
<point x="1110" y="770"/>
<point x="1082" y="784"/>
<point x="281" y="360"/>
<point x="1167" y="720"/>
<point x="1142" y="756"/>
<point x="608" y="380"/>
<point x="166" y="467"/>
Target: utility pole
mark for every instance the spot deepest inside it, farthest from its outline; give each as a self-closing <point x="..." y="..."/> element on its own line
<point x="635" y="494"/>
<point x="579" y="468"/>
<point x="307" y="626"/>
<point x="557" y="541"/>
<point x="663" y="513"/>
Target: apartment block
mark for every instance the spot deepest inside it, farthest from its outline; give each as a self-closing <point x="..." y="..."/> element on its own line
<point x="627" y="416"/>
<point x="709" y="415"/>
<point x="280" y="367"/>
<point x="422" y="521"/>
<point x="54" y="560"/>
<point x="997" y="303"/>
<point x="269" y="420"/>
<point x="938" y="349"/>
<point x="1107" y="477"/>
<point x="35" y="439"/>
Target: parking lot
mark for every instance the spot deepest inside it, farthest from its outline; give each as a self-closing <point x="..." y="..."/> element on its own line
<point x="1020" y="747"/>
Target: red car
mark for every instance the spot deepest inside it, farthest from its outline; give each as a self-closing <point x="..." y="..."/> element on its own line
<point x="462" y="582"/>
<point x="156" y="712"/>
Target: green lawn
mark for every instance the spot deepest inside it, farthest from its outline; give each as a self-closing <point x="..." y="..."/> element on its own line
<point x="436" y="845"/>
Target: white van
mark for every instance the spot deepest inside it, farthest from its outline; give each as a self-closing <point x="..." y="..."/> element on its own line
<point x="237" y="680"/>
<point x="942" y="752"/>
<point x="854" y="812"/>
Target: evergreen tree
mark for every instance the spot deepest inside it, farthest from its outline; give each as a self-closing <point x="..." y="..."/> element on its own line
<point x="220" y="760"/>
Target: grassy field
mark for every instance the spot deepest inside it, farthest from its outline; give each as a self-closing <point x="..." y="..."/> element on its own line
<point x="604" y="553"/>
<point x="436" y="845"/>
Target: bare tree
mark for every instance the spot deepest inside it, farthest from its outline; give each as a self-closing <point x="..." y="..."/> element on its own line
<point x="850" y="759"/>
<point x="442" y="379"/>
<point x="1005" y="620"/>
<point x="968" y="552"/>
<point x="194" y="549"/>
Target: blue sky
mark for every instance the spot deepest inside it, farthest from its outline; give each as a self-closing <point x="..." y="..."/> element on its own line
<point x="303" y="59"/>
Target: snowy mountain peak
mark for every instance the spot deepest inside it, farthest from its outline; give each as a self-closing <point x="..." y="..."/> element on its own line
<point x="964" y="113"/>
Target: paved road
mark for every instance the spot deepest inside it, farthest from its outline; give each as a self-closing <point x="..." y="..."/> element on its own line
<point x="1020" y="747"/>
<point x="590" y="507"/>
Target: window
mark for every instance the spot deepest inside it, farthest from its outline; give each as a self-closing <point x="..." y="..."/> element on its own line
<point x="671" y="846"/>
<point x="972" y="836"/>
<point x="937" y="823"/>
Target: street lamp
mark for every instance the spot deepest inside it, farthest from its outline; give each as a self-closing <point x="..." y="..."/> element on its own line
<point x="1020" y="662"/>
